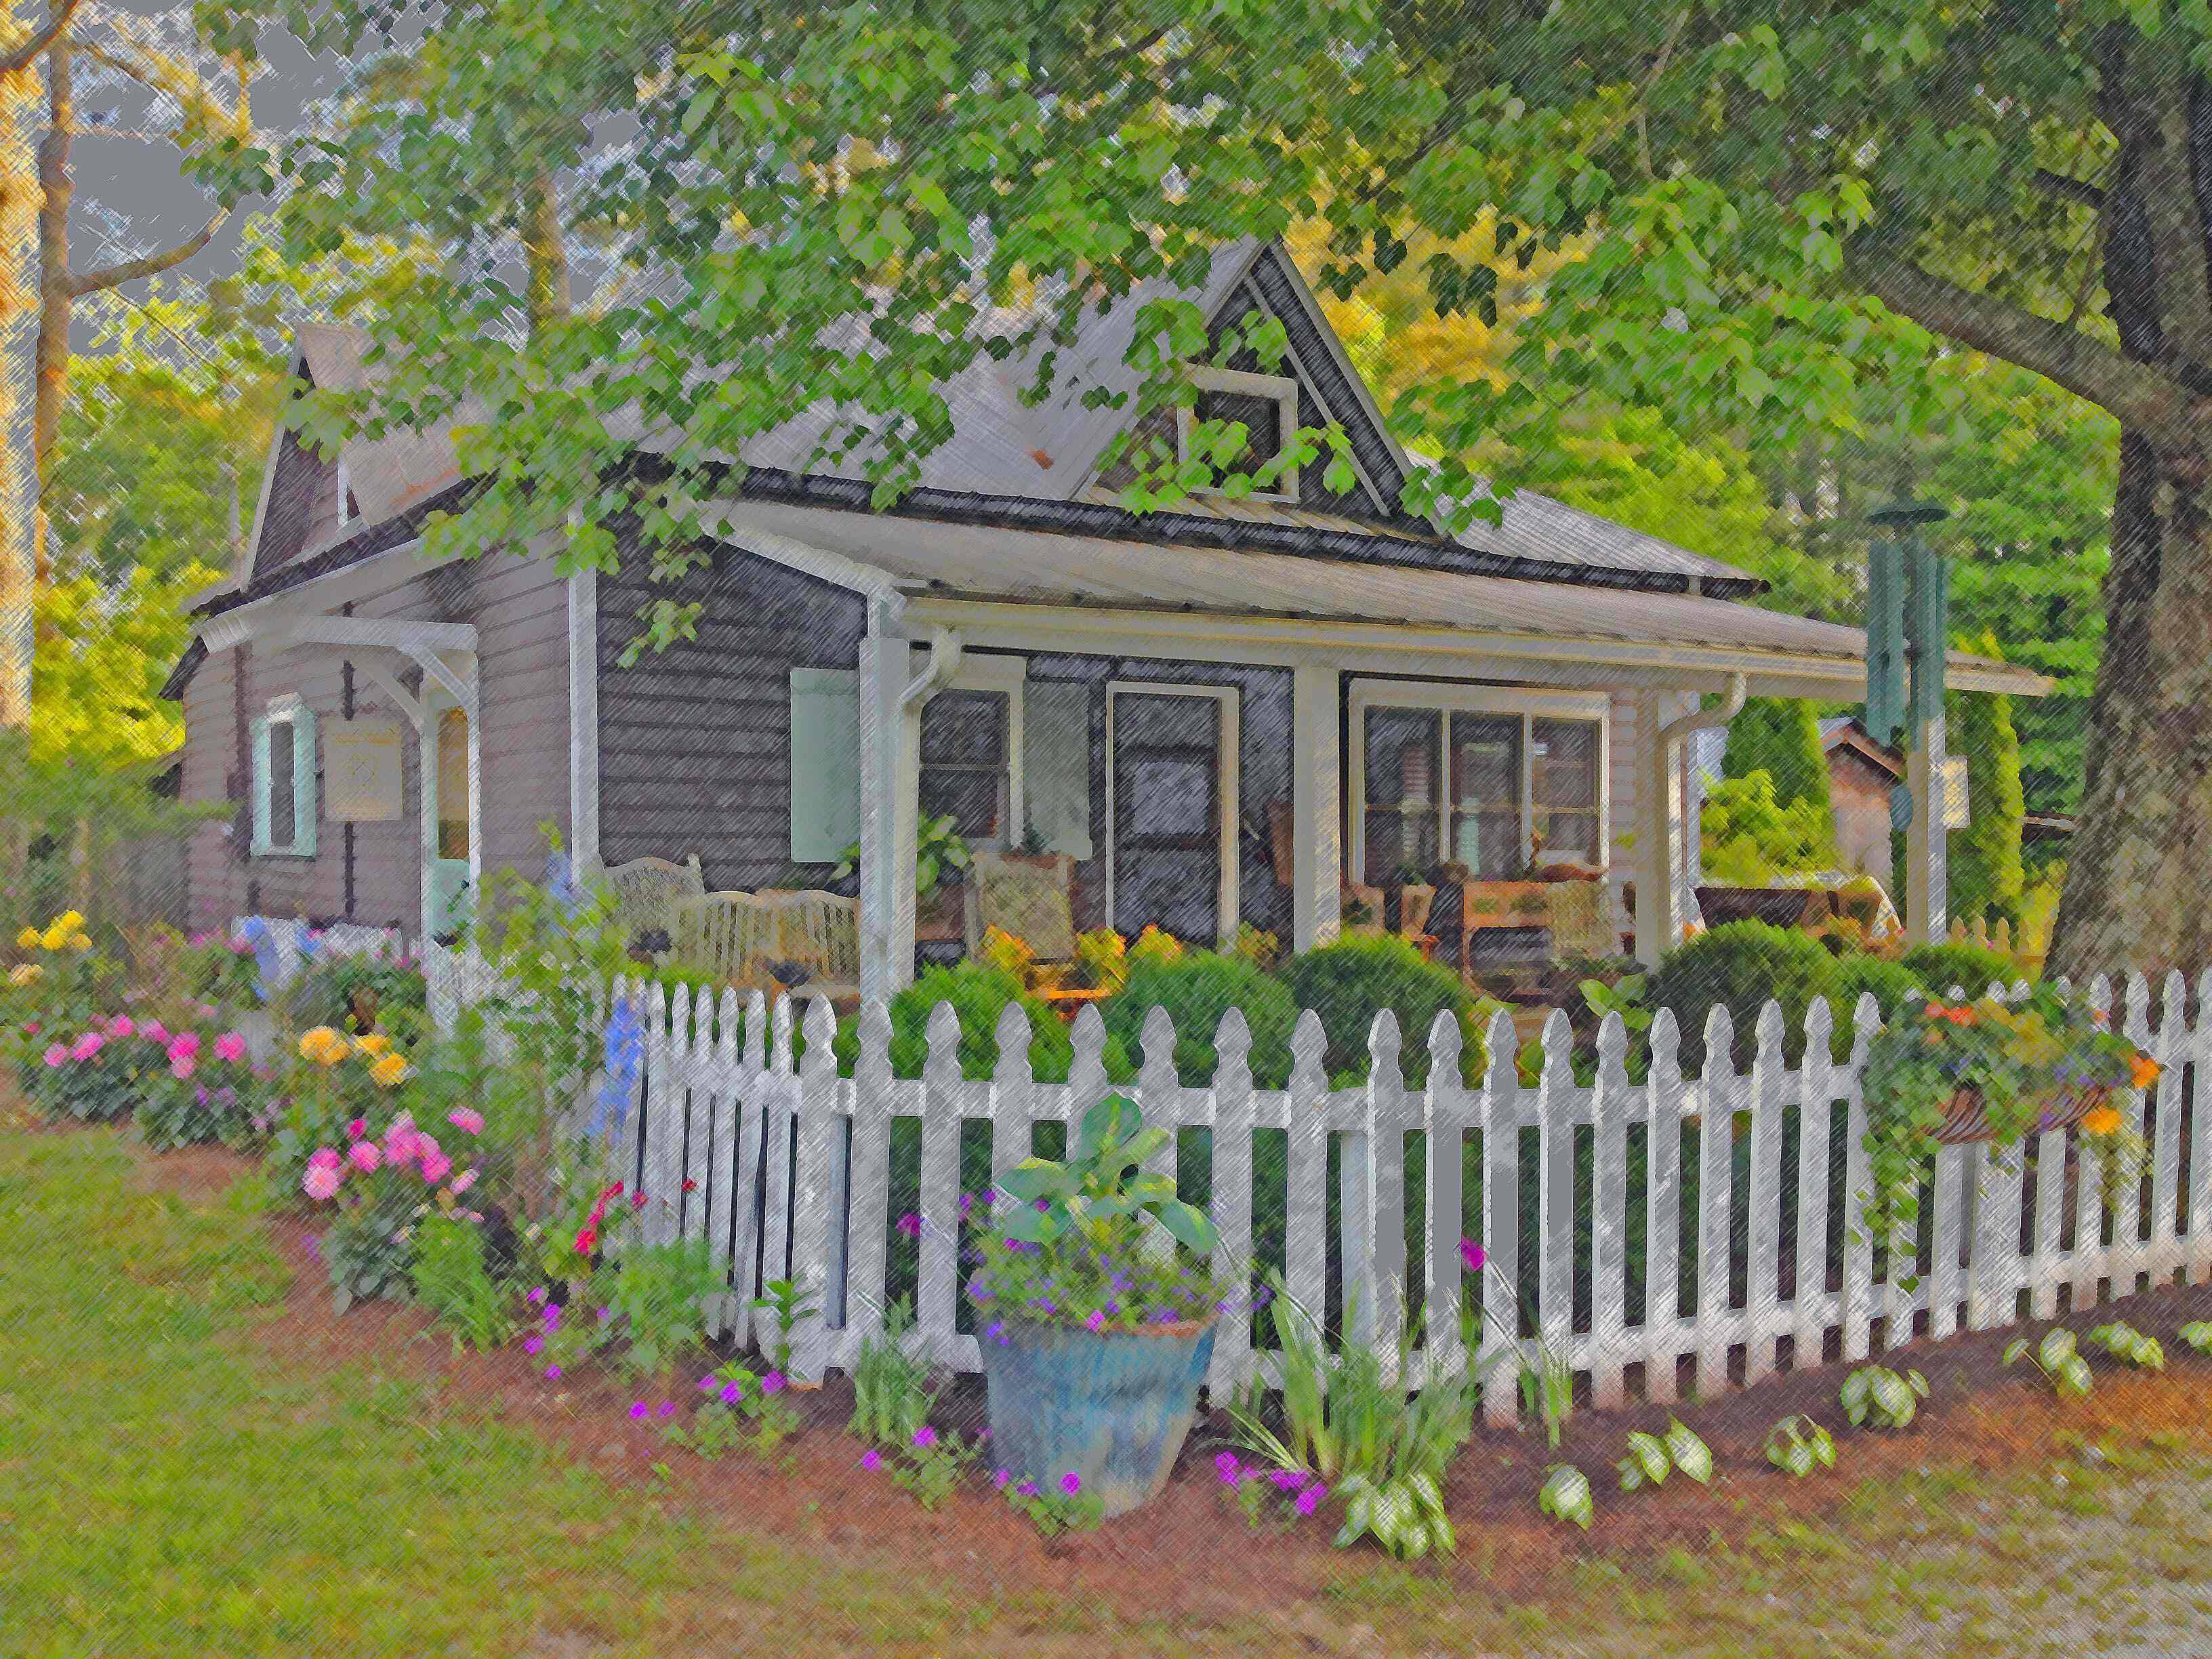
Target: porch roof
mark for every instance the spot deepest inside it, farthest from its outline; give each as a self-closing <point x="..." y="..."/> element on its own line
<point x="907" y="559"/>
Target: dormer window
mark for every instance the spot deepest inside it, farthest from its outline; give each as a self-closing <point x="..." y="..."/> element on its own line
<point x="1267" y="405"/>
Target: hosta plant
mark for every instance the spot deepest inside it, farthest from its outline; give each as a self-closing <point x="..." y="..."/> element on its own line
<point x="2058" y="1357"/>
<point x="1798" y="1445"/>
<point x="2198" y="1334"/>
<point x="1877" y="1397"/>
<point x="1565" y="1496"/>
<point x="2126" y="1343"/>
<point x="1651" y="1458"/>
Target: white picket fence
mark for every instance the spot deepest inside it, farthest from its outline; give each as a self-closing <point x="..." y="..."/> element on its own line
<point x="785" y="1169"/>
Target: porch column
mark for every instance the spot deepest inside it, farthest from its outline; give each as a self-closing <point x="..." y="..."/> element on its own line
<point x="1317" y="806"/>
<point x="1661" y="881"/>
<point x="889" y="756"/>
<point x="1927" y="862"/>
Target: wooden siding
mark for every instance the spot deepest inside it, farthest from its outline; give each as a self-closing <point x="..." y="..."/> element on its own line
<point x="520" y="607"/>
<point x="303" y="505"/>
<point x="695" y="740"/>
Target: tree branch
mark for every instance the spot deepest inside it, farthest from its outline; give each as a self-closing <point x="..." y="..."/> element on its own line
<point x="28" y="54"/>
<point x="129" y="271"/>
<point x="2141" y="395"/>
<point x="2074" y="190"/>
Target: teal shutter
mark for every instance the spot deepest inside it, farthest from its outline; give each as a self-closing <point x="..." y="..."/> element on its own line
<point x="306" y="791"/>
<point x="257" y="785"/>
<point x="1927" y="626"/>
<point x="825" y="764"/>
<point x="1056" y="764"/>
<point x="1885" y="695"/>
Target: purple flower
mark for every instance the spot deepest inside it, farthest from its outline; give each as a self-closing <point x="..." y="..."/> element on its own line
<point x="605" y="1314"/>
<point x="538" y="1296"/>
<point x="732" y="1393"/>
<point x="1472" y="1255"/>
<point x="1071" y="1483"/>
<point x="1027" y="1489"/>
<point x="638" y="1410"/>
<point x="552" y="1373"/>
<point x="772" y="1383"/>
<point x="533" y="1343"/>
<point x="1163" y="1315"/>
<point x="1042" y="1304"/>
<point x="979" y="1288"/>
<point x="1310" y="1499"/>
<point x="1001" y="1478"/>
<point x="871" y="1460"/>
<point x="707" y="1384"/>
<point x="910" y="1225"/>
<point x="1096" y="1322"/>
<point x="1284" y="1480"/>
<point x="924" y="1438"/>
<point x="966" y="1205"/>
<point x="668" y="1408"/>
<point x="315" y="1247"/>
<point x="1224" y="1464"/>
<point x="996" y="1332"/>
<point x="552" y="1316"/>
<point x="1043" y="1204"/>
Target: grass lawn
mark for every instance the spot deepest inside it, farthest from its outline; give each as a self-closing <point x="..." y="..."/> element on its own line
<point x="171" y="1484"/>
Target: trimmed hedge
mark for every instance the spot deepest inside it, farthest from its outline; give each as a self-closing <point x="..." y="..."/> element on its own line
<point x="1197" y="989"/>
<point x="1741" y="965"/>
<point x="1347" y="983"/>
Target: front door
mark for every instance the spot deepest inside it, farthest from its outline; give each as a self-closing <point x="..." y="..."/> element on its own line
<point x="1171" y="755"/>
<point x="452" y="828"/>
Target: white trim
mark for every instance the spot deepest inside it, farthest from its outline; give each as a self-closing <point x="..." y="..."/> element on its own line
<point x="346" y="514"/>
<point x="1283" y="388"/>
<point x="584" y="719"/>
<point x="1227" y="784"/>
<point x="879" y="586"/>
<point x="284" y="709"/>
<point x="1361" y="390"/>
<point x="1529" y="703"/>
<point x="1316" y="875"/>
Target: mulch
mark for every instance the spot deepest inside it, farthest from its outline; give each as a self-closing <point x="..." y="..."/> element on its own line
<point x="1188" y="1555"/>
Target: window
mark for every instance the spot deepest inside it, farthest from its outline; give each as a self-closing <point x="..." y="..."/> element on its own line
<point x="965" y="769"/>
<point x="284" y="777"/>
<point x="1267" y="405"/>
<point x="454" y="825"/>
<point x="1484" y="776"/>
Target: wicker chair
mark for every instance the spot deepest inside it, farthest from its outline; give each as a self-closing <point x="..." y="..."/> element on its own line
<point x="731" y="936"/>
<point x="1580" y="925"/>
<point x="648" y="890"/>
<point x="1032" y="899"/>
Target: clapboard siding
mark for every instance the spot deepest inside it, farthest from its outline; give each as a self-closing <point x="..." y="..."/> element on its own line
<point x="520" y="608"/>
<point x="695" y="740"/>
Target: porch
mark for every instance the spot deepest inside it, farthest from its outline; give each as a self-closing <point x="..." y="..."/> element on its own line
<point x="1216" y="736"/>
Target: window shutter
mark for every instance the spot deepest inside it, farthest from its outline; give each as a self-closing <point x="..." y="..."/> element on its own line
<point x="1056" y="764"/>
<point x="306" y="791"/>
<point x="257" y="786"/>
<point x="825" y="764"/>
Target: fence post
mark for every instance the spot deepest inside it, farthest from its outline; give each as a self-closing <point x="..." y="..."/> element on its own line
<point x="2200" y="1135"/>
<point x="1383" y="1201"/>
<point x="1609" y="1111"/>
<point x="1662" y="1210"/>
<point x="2090" y="1259"/>
<point x="1501" y="1224"/>
<point x="747" y="1216"/>
<point x="2171" y="1051"/>
<point x="721" y="1190"/>
<point x="1555" y="1192"/>
<point x="1158" y="1087"/>
<point x="1808" y="1329"/>
<point x="1305" y="1244"/>
<point x="1231" y="1186"/>
<point x="867" y="1278"/>
<point x="1444" y="1118"/>
<point x="1086" y="1072"/>
<point x="1716" y="1092"/>
<point x="2130" y="1254"/>
<point x="937" y="1300"/>
<point x="1858" y="1246"/>
<point x="1763" y="1262"/>
<point x="661" y="1179"/>
<point x="1013" y="1090"/>
<point x="816" y="1250"/>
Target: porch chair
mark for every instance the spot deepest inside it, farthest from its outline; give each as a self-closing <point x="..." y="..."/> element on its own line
<point x="1580" y="924"/>
<point x="731" y="936"/>
<point x="648" y="890"/>
<point x="819" y="932"/>
<point x="1029" y="897"/>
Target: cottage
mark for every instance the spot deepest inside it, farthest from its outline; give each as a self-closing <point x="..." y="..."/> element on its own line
<point x="1233" y="711"/>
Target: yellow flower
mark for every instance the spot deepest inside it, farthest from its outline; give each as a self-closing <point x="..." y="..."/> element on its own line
<point x="24" y="973"/>
<point x="28" y="939"/>
<point x="323" y="1046"/>
<point x="388" y="1070"/>
<point x="2102" y="1120"/>
<point x="70" y="919"/>
<point x="53" y="939"/>
<point x="373" y="1044"/>
<point x="80" y="942"/>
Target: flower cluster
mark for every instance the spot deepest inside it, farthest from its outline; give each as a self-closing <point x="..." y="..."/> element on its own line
<point x="382" y="1184"/>
<point x="65" y="933"/>
<point x="403" y="1147"/>
<point x="327" y="1047"/>
<point x="1061" y="1506"/>
<point x="1266" y="1495"/>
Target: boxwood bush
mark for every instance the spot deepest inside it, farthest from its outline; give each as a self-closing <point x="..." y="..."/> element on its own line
<point x="1197" y="989"/>
<point x="1348" y="983"/>
<point x="978" y="994"/>
<point x="1937" y="968"/>
<point x="1741" y="965"/>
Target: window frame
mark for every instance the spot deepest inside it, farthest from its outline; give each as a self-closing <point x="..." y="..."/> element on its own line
<point x="1447" y="698"/>
<point x="1283" y="388"/>
<point x="1005" y="674"/>
<point x="286" y="712"/>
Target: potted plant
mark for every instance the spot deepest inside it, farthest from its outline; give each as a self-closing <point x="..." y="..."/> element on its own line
<point x="1948" y="1074"/>
<point x="1095" y="1339"/>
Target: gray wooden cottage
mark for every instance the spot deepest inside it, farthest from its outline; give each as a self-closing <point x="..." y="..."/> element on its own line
<point x="1224" y="712"/>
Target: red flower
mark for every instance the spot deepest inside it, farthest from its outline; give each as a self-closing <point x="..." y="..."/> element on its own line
<point x="587" y="1240"/>
<point x="691" y="1186"/>
<point x="638" y="1202"/>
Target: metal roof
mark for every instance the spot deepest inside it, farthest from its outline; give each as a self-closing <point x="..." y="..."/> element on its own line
<point x="988" y="563"/>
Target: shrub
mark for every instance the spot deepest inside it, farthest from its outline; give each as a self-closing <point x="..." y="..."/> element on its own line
<point x="1854" y="974"/>
<point x="1748" y="835"/>
<point x="1741" y="965"/>
<point x="1197" y="988"/>
<point x="1780" y="737"/>
<point x="452" y="1277"/>
<point x="1937" y="968"/>
<point x="978" y="993"/>
<point x="1345" y="983"/>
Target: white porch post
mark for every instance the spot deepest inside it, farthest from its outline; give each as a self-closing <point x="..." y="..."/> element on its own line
<point x="1661" y="882"/>
<point x="1317" y="806"/>
<point x="1927" y="862"/>
<point x="890" y="757"/>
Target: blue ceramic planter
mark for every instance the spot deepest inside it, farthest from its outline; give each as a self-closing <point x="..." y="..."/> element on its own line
<point x="1114" y="1408"/>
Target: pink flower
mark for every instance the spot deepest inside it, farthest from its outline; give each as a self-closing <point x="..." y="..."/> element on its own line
<point x="638" y="1410"/>
<point x="182" y="1065"/>
<point x="87" y="1046"/>
<point x="467" y="1121"/>
<point x="187" y="1043"/>
<point x="552" y="1373"/>
<point x="321" y="1180"/>
<point x="357" y="1128"/>
<point x="153" y="1031"/>
<point x="122" y="1025"/>
<point x="1096" y="1322"/>
<point x="1071" y="1483"/>
<point x="435" y="1165"/>
<point x="365" y="1157"/>
<point x="55" y="1053"/>
<point x="325" y="1157"/>
<point x="463" y="1181"/>
<point x="1309" y="1500"/>
<point x="871" y="1460"/>
<point x="230" y="1046"/>
<point x="1471" y="1255"/>
<point x="733" y="1391"/>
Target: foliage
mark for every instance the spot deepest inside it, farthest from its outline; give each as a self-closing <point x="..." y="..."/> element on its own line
<point x="1875" y="1396"/>
<point x="891" y="1391"/>
<point x="1741" y="966"/>
<point x="1985" y="875"/>
<point x="1352" y="1427"/>
<point x="787" y="1302"/>
<point x="1652" y="1457"/>
<point x="214" y="968"/>
<point x="209" y="1090"/>
<point x="926" y="1464"/>
<point x="978" y="993"/>
<point x="2123" y="1341"/>
<point x="2022" y="1061"/>
<point x="939" y="850"/>
<point x="380" y="1190"/>
<point x="1781" y="736"/>
<point x="735" y="1406"/>
<point x="1197" y="989"/>
<point x="1747" y="836"/>
<point x="1275" y="1498"/>
<point x="1798" y="1445"/>
<point x="1055" y="1507"/>
<point x="360" y="991"/>
<point x="95" y="1075"/>
<point x="658" y="1294"/>
<point x="1349" y="982"/>
<point x="1565" y="1496"/>
<point x="454" y="1281"/>
<point x="2198" y="1334"/>
<point x="1074" y="1243"/>
<point x="1941" y="969"/>
<point x="2059" y="1360"/>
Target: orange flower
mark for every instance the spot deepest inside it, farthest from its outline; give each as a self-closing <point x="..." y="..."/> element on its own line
<point x="2102" y="1120"/>
<point x="2146" y="1072"/>
<point x="1937" y="1010"/>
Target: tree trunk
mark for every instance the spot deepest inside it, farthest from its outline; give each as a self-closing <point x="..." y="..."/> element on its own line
<point x="19" y="305"/>
<point x="56" y="302"/>
<point x="546" y="254"/>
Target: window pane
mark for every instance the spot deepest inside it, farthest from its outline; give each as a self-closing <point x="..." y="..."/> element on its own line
<point x="964" y="728"/>
<point x="1570" y="834"/>
<point x="1263" y="418"/>
<point x="1402" y="791"/>
<point x="1485" y="830"/>
<point x="1169" y="795"/>
<point x="283" y="784"/>
<point x="1565" y="756"/>
<point x="976" y="800"/>
<point x="452" y="784"/>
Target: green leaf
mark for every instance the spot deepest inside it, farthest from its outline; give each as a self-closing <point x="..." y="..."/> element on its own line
<point x="1103" y="1125"/>
<point x="1894" y="1396"/>
<point x="2075" y="1379"/>
<point x="1036" y="1178"/>
<point x="1189" y="1227"/>
<point x="1565" y="1496"/>
<point x="2057" y="1348"/>
<point x="1691" y="1454"/>
<point x="1647" y="1457"/>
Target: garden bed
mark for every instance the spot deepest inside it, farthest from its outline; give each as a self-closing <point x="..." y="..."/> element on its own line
<point x="1979" y="1418"/>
